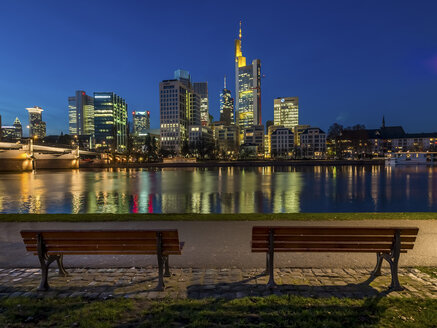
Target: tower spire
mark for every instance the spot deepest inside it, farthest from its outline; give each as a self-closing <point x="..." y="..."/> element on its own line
<point x="225" y="82"/>
<point x="239" y="35"/>
<point x="383" y="121"/>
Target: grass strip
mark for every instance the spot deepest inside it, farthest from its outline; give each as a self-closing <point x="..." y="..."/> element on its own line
<point x="270" y="311"/>
<point x="217" y="217"/>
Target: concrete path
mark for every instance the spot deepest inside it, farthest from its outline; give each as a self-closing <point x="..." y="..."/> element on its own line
<point x="218" y="245"/>
<point x="217" y="283"/>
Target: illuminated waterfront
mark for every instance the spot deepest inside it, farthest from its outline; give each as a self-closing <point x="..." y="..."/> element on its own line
<point x="222" y="190"/>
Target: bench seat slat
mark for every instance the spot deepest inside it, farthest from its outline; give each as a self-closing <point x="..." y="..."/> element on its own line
<point x="49" y="242"/>
<point x="98" y="234"/>
<point x="350" y="245"/>
<point x="111" y="253"/>
<point x="332" y="238"/>
<point x="353" y="231"/>
<point x="106" y="248"/>
<point x="334" y="250"/>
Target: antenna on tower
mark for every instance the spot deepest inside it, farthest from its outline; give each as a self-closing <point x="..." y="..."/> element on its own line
<point x="239" y="35"/>
<point x="225" y="81"/>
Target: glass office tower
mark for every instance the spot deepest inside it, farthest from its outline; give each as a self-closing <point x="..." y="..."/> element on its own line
<point x="247" y="89"/>
<point x="110" y="121"/>
<point x="81" y="114"/>
<point x="286" y="112"/>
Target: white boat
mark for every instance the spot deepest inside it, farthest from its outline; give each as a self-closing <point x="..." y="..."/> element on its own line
<point x="411" y="158"/>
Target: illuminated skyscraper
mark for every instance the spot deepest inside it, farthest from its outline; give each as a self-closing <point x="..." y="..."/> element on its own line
<point x="226" y="106"/>
<point x="286" y="112"/>
<point x="201" y="88"/>
<point x="36" y="125"/>
<point x="141" y="122"/>
<point x="81" y="114"/>
<point x="179" y="108"/>
<point x="110" y="121"/>
<point x="247" y="89"/>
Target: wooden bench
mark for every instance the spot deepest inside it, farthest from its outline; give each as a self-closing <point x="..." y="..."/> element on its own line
<point x="387" y="243"/>
<point x="52" y="245"/>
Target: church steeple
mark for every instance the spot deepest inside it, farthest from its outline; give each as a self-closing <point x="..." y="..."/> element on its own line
<point x="383" y="121"/>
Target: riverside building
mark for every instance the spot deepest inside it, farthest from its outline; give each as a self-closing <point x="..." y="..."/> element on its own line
<point x="201" y="88"/>
<point x="81" y="114"/>
<point x="179" y="109"/>
<point x="37" y="127"/>
<point x="286" y="112"/>
<point x="141" y="122"/>
<point x="110" y="121"/>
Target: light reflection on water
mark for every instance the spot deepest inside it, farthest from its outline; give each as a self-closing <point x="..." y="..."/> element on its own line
<point x="222" y="190"/>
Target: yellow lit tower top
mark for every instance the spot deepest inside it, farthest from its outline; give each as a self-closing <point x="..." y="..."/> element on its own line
<point x="238" y="54"/>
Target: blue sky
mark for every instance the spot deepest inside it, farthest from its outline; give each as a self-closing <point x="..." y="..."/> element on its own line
<point x="348" y="61"/>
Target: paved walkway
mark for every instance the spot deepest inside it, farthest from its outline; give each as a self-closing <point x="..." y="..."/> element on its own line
<point x="202" y="283"/>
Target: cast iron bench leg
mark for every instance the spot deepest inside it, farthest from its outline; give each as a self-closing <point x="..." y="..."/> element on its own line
<point x="161" y="285"/>
<point x="270" y="261"/>
<point x="393" y="260"/>
<point x="45" y="261"/>
<point x="377" y="271"/>
<point x="167" y="269"/>
<point x="60" y="261"/>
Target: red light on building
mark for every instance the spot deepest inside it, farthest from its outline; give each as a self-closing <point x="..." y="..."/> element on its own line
<point x="148" y="113"/>
<point x="83" y="93"/>
<point x="133" y="113"/>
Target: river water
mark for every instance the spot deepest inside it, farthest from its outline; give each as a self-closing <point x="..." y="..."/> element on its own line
<point x="222" y="190"/>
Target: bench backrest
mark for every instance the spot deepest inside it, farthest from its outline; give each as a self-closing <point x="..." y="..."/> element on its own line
<point x="103" y="241"/>
<point x="331" y="239"/>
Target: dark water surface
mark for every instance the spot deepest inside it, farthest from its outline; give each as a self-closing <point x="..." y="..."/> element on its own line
<point x="222" y="190"/>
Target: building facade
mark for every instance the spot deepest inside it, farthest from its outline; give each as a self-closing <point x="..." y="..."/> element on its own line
<point x="281" y="142"/>
<point x="247" y="89"/>
<point x="141" y="121"/>
<point x="227" y="138"/>
<point x="201" y="88"/>
<point x="81" y="114"/>
<point x="286" y="112"/>
<point x="254" y="136"/>
<point x="110" y="121"/>
<point x="313" y="143"/>
<point x="12" y="133"/>
<point x="37" y="127"/>
<point x="226" y="106"/>
<point x="179" y="108"/>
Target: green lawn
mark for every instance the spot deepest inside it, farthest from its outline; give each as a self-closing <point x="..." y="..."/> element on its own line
<point x="271" y="311"/>
<point x="215" y="217"/>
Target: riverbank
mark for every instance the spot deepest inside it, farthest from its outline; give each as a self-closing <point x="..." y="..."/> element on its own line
<point x="109" y="217"/>
<point x="253" y="163"/>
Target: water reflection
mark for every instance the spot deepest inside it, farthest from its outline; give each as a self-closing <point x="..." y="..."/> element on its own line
<point x="222" y="190"/>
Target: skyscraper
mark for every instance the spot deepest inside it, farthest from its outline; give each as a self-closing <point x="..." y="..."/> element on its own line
<point x="141" y="122"/>
<point x="110" y="121"/>
<point x="201" y="88"/>
<point x="18" y="129"/>
<point x="226" y="106"/>
<point x="247" y="89"/>
<point x="81" y="114"/>
<point x="179" y="108"/>
<point x="36" y="125"/>
<point x="286" y="112"/>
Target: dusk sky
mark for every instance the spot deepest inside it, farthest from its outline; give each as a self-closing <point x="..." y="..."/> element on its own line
<point x="348" y="61"/>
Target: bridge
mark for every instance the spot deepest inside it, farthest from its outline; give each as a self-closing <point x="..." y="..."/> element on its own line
<point x="28" y="157"/>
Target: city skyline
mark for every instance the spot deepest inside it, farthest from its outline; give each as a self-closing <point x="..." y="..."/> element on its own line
<point x="348" y="73"/>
